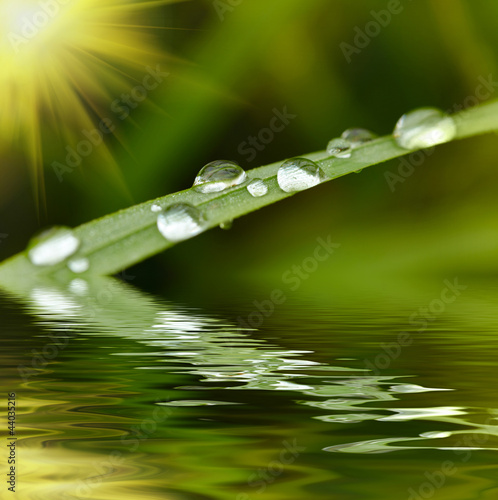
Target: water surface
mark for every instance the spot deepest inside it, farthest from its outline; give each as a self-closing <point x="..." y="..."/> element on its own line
<point x="121" y="394"/>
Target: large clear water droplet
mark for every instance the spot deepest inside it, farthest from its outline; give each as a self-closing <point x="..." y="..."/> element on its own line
<point x="423" y="128"/>
<point x="79" y="265"/>
<point x="180" y="221"/>
<point x="218" y="176"/>
<point x="357" y="136"/>
<point x="298" y="174"/>
<point x="257" y="188"/>
<point x="339" y="148"/>
<point x="52" y="246"/>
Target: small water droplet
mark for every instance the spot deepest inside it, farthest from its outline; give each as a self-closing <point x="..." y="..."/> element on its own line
<point x="52" y="246"/>
<point x="339" y="148"/>
<point x="257" y="188"/>
<point x="423" y="128"/>
<point x="79" y="265"/>
<point x="298" y="174"/>
<point x="218" y="176"/>
<point x="226" y="225"/>
<point x="180" y="221"/>
<point x="358" y="136"/>
<point x="155" y="208"/>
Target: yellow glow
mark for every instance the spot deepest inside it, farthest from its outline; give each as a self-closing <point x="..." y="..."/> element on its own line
<point x="62" y="61"/>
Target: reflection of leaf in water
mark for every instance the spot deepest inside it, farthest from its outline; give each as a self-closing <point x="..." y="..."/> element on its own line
<point x="182" y="341"/>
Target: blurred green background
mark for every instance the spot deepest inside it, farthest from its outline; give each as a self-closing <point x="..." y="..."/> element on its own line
<point x="230" y="67"/>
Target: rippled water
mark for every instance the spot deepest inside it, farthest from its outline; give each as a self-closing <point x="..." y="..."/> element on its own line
<point x="125" y="395"/>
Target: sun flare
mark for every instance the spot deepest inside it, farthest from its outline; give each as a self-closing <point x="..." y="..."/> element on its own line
<point x="62" y="62"/>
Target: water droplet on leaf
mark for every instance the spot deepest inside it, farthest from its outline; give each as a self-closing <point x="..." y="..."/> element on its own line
<point x="339" y="147"/>
<point x="180" y="221"/>
<point x="52" y="246"/>
<point x="298" y="174"/>
<point x="218" y="176"/>
<point x="357" y="136"/>
<point x="226" y="225"/>
<point x="155" y="208"/>
<point x="257" y="188"/>
<point x="423" y="128"/>
<point x="79" y="265"/>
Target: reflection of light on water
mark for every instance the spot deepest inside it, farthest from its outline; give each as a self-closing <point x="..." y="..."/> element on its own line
<point x="197" y="402"/>
<point x="53" y="303"/>
<point x="78" y="286"/>
<point x="388" y="445"/>
<point x="435" y="434"/>
<point x="176" y="322"/>
<point x="223" y="358"/>
<point x="403" y="414"/>
<point x="283" y="385"/>
<point x="413" y="388"/>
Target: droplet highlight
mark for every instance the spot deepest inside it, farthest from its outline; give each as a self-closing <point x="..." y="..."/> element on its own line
<point x="180" y="221"/>
<point x="218" y="176"/>
<point x="424" y="128"/>
<point x="52" y="246"/>
<point x="226" y="225"/>
<point x="155" y="208"/>
<point x="357" y="136"/>
<point x="79" y="266"/>
<point x="298" y="174"/>
<point x="342" y="147"/>
<point x="339" y="148"/>
<point x="257" y="188"/>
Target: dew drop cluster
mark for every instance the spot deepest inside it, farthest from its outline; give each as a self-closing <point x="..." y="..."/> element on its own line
<point x="421" y="128"/>
<point x="57" y="245"/>
<point x="342" y="147"/>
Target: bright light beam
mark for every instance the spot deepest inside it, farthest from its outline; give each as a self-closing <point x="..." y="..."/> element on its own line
<point x="62" y="61"/>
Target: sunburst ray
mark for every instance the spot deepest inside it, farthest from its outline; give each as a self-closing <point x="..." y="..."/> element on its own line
<point x="61" y="63"/>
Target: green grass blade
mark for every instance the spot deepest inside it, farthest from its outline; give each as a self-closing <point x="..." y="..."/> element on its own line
<point x="117" y="241"/>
